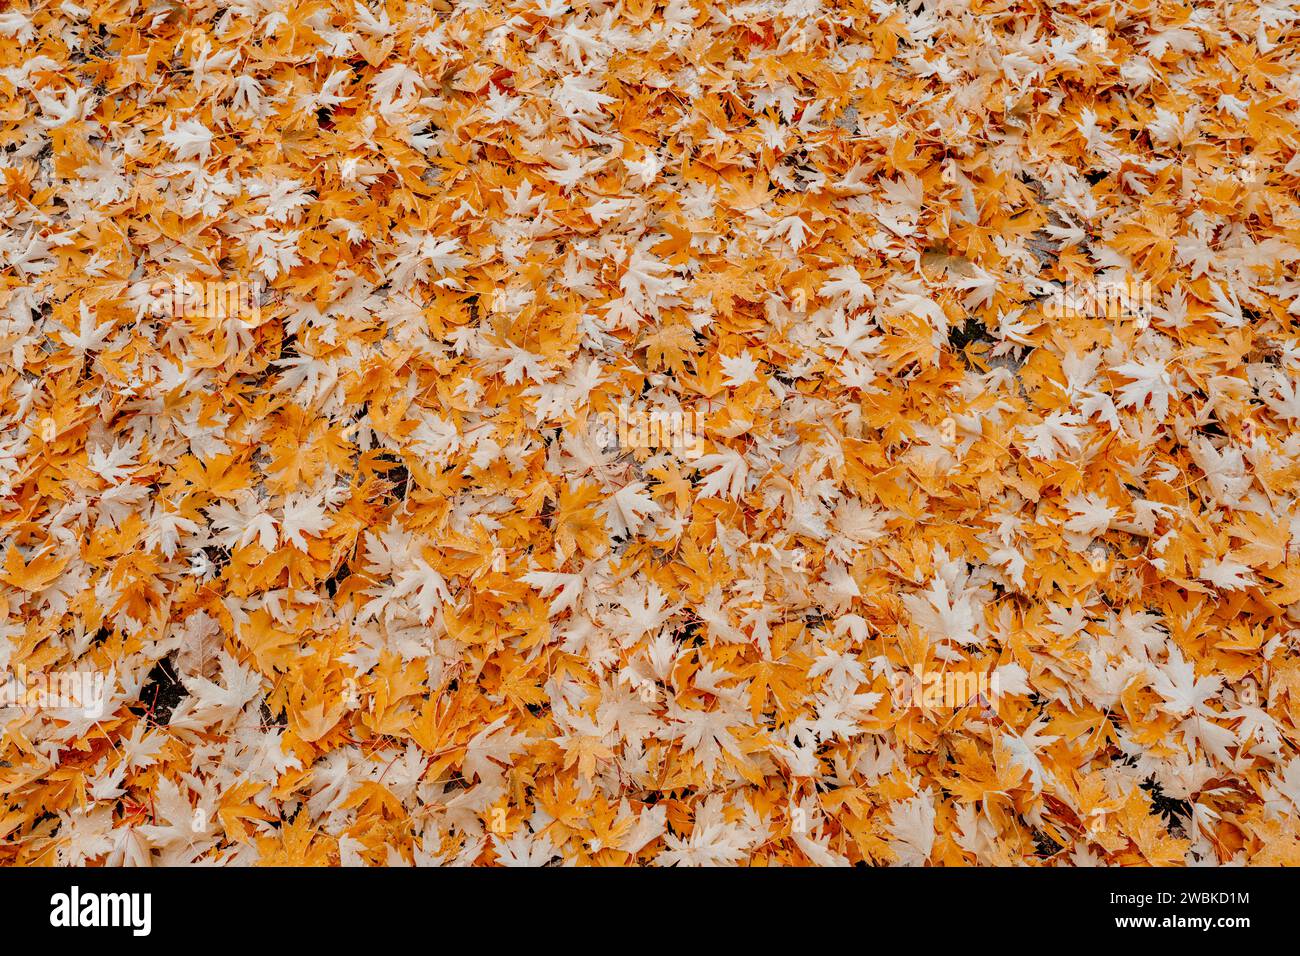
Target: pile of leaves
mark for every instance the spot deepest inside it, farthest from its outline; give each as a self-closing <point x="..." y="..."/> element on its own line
<point x="365" y="582"/>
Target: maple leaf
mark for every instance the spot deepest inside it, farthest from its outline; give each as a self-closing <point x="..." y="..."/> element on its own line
<point x="568" y="586"/>
<point x="36" y="574"/>
<point x="489" y="749"/>
<point x="627" y="509"/>
<point x="576" y="522"/>
<point x="912" y="828"/>
<point x="669" y="347"/>
<point x="523" y="849"/>
<point x="1183" y="691"/>
<point x="729" y="471"/>
<point x="272" y="648"/>
<point x="1151" y="382"/>
<point x="1142" y="826"/>
<point x="295" y="844"/>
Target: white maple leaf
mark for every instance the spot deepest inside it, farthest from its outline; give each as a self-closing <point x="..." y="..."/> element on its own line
<point x="1183" y="691"/>
<point x="569" y="587"/>
<point x="188" y="139"/>
<point x="627" y="509"/>
<point x="490" y="749"/>
<point x="912" y="828"/>
<point x="846" y="281"/>
<point x="739" y="369"/>
<point x="1226" y="573"/>
<point x="1151" y="382"/>
<point x="115" y="463"/>
<point x="1092" y="515"/>
<point x="730" y="471"/>
<point x="525" y="850"/>
<point x="302" y="516"/>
